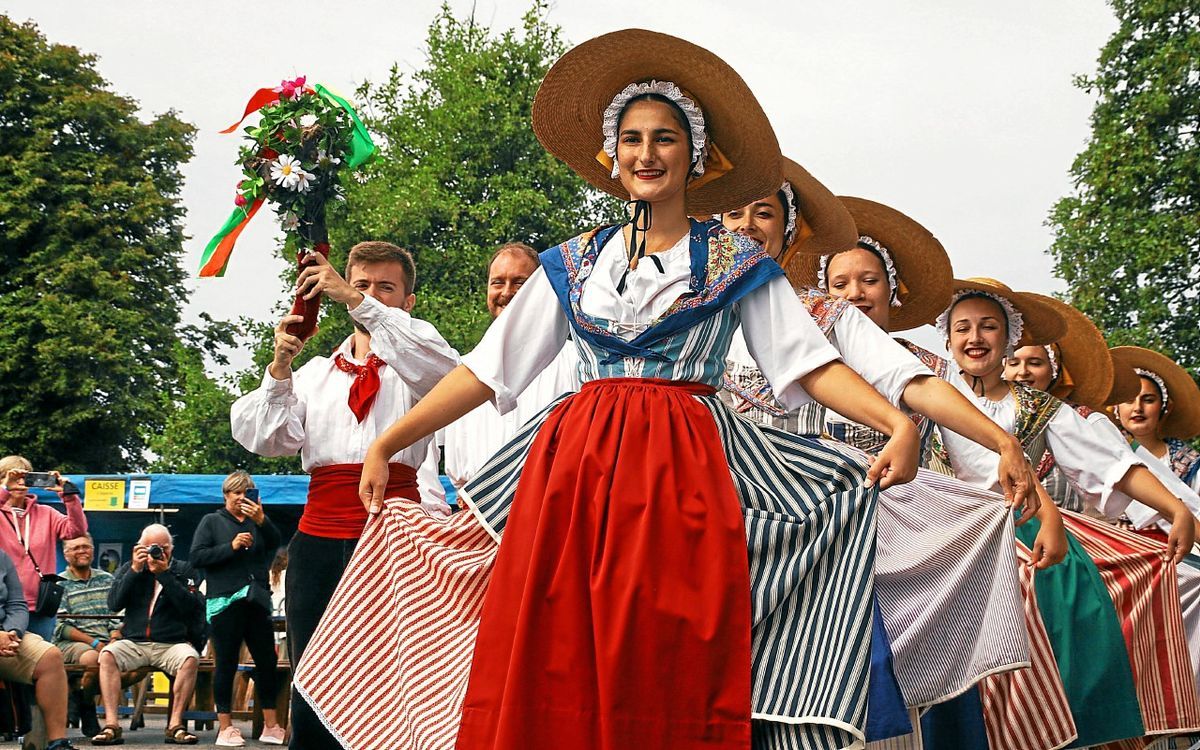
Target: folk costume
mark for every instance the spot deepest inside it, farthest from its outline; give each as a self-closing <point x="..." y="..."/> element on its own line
<point x="946" y="579"/>
<point x="1180" y="420"/>
<point x="1112" y="695"/>
<point x="329" y="411"/>
<point x="668" y="570"/>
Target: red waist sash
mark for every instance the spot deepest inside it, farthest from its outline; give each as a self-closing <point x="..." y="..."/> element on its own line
<point x="334" y="510"/>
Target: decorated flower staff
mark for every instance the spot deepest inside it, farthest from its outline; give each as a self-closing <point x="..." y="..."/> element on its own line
<point x="294" y="158"/>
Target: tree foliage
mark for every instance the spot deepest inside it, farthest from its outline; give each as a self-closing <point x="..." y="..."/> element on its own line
<point x="1128" y="237"/>
<point x="459" y="172"/>
<point x="90" y="247"/>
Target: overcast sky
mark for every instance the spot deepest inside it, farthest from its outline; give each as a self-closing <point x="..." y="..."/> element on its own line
<point x="962" y="114"/>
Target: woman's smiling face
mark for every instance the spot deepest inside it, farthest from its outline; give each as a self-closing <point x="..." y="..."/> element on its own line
<point x="858" y="275"/>
<point x="978" y="334"/>
<point x="653" y="151"/>
<point x="1030" y="365"/>
<point x="763" y="221"/>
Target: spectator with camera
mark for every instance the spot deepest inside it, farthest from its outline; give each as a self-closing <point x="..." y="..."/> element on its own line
<point x="164" y="617"/>
<point x="27" y="658"/>
<point x="30" y="531"/>
<point x="85" y="623"/>
<point x="235" y="546"/>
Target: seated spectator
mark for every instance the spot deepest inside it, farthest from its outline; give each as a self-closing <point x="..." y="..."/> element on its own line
<point x="80" y="640"/>
<point x="234" y="546"/>
<point x="29" y="659"/>
<point x="162" y="607"/>
<point x="29" y="533"/>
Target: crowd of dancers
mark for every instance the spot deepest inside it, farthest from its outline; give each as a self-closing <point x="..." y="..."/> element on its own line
<point x="734" y="511"/>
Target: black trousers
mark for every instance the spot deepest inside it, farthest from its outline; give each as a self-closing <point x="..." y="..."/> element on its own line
<point x="243" y="621"/>
<point x="315" y="566"/>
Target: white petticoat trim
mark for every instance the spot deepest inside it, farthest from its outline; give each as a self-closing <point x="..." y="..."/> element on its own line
<point x="1162" y="384"/>
<point x="663" y="88"/>
<point x="889" y="266"/>
<point x="789" y="231"/>
<point x="1016" y="323"/>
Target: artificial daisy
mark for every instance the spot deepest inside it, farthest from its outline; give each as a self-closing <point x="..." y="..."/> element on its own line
<point x="285" y="170"/>
<point x="290" y="222"/>
<point x="325" y="160"/>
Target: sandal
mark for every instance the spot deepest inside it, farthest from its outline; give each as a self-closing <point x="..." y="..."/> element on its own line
<point x="109" y="735"/>
<point x="179" y="736"/>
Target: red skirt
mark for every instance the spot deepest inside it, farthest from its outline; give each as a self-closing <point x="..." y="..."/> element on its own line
<point x="618" y="615"/>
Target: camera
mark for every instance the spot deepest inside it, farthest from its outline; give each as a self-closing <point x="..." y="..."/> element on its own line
<point x="155" y="551"/>
<point x="39" y="479"/>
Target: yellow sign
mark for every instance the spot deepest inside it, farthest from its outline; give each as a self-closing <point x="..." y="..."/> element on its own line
<point x="103" y="494"/>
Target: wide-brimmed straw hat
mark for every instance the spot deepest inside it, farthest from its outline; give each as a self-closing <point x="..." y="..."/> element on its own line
<point x="823" y="224"/>
<point x="1127" y="384"/>
<point x="1040" y="323"/>
<point x="1183" y="395"/>
<point x="1085" y="372"/>
<point x="568" y="114"/>
<point x="923" y="271"/>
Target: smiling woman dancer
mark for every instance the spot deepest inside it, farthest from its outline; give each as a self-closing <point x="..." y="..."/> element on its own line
<point x="627" y="508"/>
<point x="1165" y="413"/>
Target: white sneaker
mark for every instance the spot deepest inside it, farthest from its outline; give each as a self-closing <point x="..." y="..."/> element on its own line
<point x="272" y="735"/>
<point x="230" y="736"/>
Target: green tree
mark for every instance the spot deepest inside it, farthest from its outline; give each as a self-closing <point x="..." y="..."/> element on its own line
<point x="195" y="438"/>
<point x="90" y="246"/>
<point x="1128" y="237"/>
<point x="458" y="173"/>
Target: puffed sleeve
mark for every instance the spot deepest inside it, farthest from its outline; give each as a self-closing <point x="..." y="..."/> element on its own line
<point x="1090" y="460"/>
<point x="269" y="420"/>
<point x="410" y="346"/>
<point x="783" y="339"/>
<point x="879" y="358"/>
<point x="521" y="342"/>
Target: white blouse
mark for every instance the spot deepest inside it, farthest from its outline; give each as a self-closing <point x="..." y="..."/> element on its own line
<point x="309" y="412"/>
<point x="1141" y="515"/>
<point x="1091" y="463"/>
<point x="475" y="438"/>
<point x="866" y="349"/>
<point x="780" y="335"/>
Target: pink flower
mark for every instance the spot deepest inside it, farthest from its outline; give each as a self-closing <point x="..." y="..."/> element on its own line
<point x="291" y="89"/>
<point x="240" y="200"/>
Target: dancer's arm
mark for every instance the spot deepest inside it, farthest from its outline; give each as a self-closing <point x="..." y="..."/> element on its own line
<point x="1050" y="544"/>
<point x="838" y="387"/>
<point x="1144" y="487"/>
<point x="942" y="402"/>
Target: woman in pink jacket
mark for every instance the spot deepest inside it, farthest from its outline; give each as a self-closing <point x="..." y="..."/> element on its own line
<point x="29" y="532"/>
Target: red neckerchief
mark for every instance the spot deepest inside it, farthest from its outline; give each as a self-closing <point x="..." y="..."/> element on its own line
<point x="366" y="383"/>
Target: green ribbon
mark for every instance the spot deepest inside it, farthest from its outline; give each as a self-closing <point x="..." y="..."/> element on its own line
<point x="361" y="146"/>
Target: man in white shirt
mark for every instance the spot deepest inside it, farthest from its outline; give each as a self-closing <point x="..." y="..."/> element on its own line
<point x="330" y="410"/>
<point x="472" y="440"/>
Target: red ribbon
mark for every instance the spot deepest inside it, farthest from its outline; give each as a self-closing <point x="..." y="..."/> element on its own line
<point x="261" y="98"/>
<point x="366" y="383"/>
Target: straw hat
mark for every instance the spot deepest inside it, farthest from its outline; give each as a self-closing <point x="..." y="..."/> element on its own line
<point x="1183" y="395"/>
<point x="1126" y="382"/>
<point x="923" y="270"/>
<point x="568" y="113"/>
<point x="1085" y="372"/>
<point x="1041" y="323"/>
<point x="823" y="225"/>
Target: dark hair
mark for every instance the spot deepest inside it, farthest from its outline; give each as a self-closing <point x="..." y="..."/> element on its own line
<point x="1157" y="389"/>
<point x="515" y="248"/>
<point x="383" y="252"/>
<point x="680" y="117"/>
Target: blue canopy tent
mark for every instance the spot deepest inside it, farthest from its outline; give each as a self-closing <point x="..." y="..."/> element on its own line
<point x="180" y="501"/>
